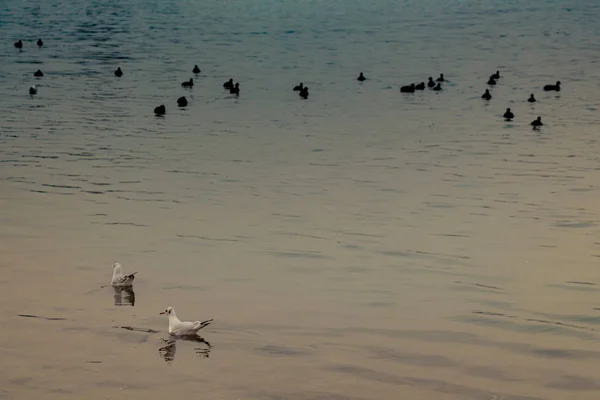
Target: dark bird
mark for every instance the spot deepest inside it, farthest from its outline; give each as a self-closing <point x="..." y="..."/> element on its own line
<point x="441" y="78"/>
<point x="160" y="110"/>
<point x="118" y="72"/>
<point x="437" y="87"/>
<point x="408" y="89"/>
<point x="182" y="101"/>
<point x="537" y="122"/>
<point x="228" y="84"/>
<point x="196" y="70"/>
<point x="299" y="87"/>
<point x="556" y="87"/>
<point x="235" y="90"/>
<point x="19" y="44"/>
<point x="420" y="86"/>
<point x="304" y="92"/>
<point x="361" y="77"/>
<point x="496" y="75"/>
<point x="40" y="42"/>
<point x="531" y="99"/>
<point x="491" y="81"/>
<point x="486" y="95"/>
<point x="33" y="90"/>
<point x="431" y="83"/>
<point x="189" y="83"/>
<point x="38" y="73"/>
<point x="508" y="115"/>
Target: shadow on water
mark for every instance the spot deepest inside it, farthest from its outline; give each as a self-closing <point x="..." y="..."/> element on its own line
<point x="124" y="296"/>
<point x="168" y="351"/>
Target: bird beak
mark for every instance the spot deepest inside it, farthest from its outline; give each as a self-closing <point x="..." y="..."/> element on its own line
<point x="161" y="313"/>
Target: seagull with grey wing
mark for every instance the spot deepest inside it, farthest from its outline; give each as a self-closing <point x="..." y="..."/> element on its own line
<point x="183" y="328"/>
<point x="120" y="280"/>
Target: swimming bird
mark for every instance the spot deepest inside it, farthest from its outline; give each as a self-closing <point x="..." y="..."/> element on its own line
<point x="196" y="70"/>
<point x="304" y="93"/>
<point x="19" y="44"/>
<point x="118" y="72"/>
<point x="408" y="89"/>
<point x="182" y="101"/>
<point x="496" y="75"/>
<point x="556" y="87"/>
<point x="431" y="83"/>
<point x="33" y="90"/>
<point x="183" y="328"/>
<point x="531" y="99"/>
<point x="508" y="115"/>
<point x="160" y="110"/>
<point x="299" y="87"/>
<point x="437" y="87"/>
<point x="537" y="122"/>
<point x="420" y="86"/>
<point x="120" y="280"/>
<point x="441" y="78"/>
<point x="491" y="81"/>
<point x="189" y="83"/>
<point x="40" y="42"/>
<point x="361" y="77"/>
<point x="228" y="84"/>
<point x="235" y="90"/>
<point x="487" y="95"/>
<point x="38" y="73"/>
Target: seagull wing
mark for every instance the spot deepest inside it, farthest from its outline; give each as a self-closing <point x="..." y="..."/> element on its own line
<point x="200" y="325"/>
<point x="125" y="279"/>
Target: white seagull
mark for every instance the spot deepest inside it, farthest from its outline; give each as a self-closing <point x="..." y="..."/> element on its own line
<point x="120" y="280"/>
<point x="32" y="90"/>
<point x="183" y="328"/>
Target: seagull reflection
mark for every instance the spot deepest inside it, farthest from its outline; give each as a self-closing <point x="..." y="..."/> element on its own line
<point x="167" y="352"/>
<point x="124" y="296"/>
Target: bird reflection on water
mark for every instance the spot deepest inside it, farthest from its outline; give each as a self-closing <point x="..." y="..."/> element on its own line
<point x="124" y="296"/>
<point x="168" y="351"/>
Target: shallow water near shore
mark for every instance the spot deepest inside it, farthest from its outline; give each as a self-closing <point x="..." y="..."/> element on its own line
<point x="363" y="244"/>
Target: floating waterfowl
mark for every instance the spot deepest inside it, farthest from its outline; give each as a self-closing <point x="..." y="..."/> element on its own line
<point x="183" y="328"/>
<point x="160" y="110"/>
<point x="120" y="280"/>
<point x="537" y="122"/>
<point x="408" y="89"/>
<point x="304" y="92"/>
<point x="556" y="87"/>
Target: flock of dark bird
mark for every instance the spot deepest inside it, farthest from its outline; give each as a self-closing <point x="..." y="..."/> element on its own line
<point x="508" y="115"/>
<point x="303" y="90"/>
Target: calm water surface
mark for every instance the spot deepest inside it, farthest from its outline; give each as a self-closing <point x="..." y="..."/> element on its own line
<point x="363" y="244"/>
